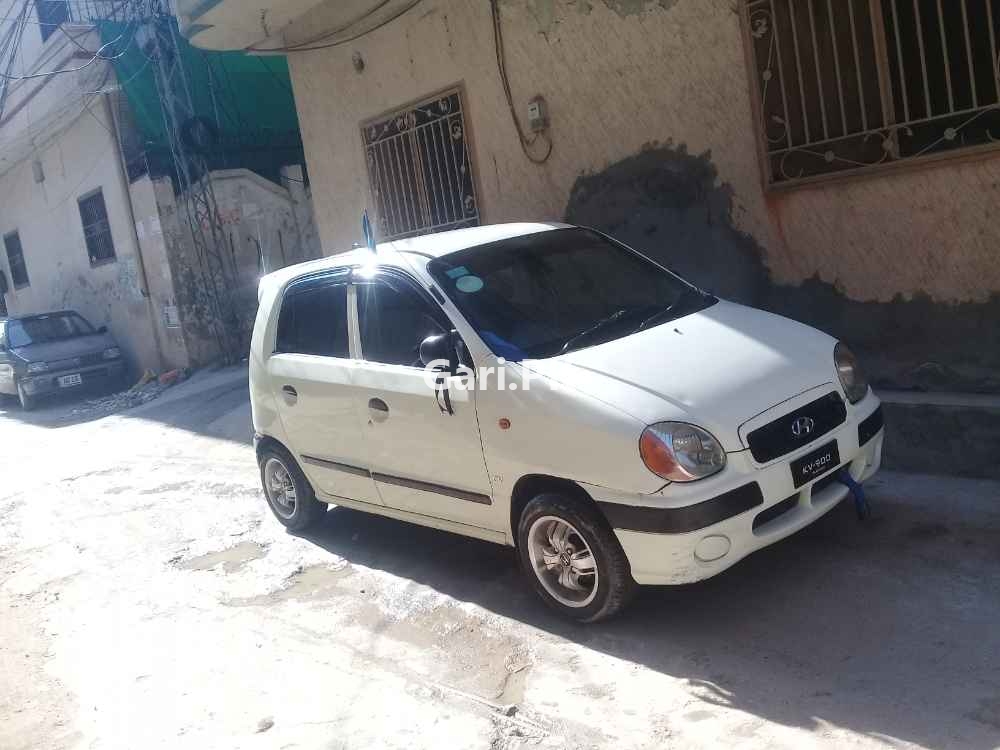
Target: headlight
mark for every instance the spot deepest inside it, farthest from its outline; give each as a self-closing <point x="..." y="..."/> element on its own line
<point x="38" y="366"/>
<point x="112" y="353"/>
<point x="851" y="377"/>
<point x="680" y="452"/>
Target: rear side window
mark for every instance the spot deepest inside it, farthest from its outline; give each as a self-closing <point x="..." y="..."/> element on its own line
<point x="314" y="321"/>
<point x="395" y="318"/>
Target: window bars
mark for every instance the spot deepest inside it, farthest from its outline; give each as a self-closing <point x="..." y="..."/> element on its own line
<point x="854" y="85"/>
<point x="419" y="168"/>
<point x="96" y="229"/>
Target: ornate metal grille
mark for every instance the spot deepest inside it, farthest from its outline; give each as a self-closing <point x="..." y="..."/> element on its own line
<point x="420" y="171"/>
<point x="853" y="85"/>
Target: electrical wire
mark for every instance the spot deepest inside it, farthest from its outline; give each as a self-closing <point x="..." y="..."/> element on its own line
<point x="312" y="48"/>
<point x="526" y="143"/>
<point x="97" y="56"/>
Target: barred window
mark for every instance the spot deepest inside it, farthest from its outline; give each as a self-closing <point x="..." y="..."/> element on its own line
<point x="96" y="229"/>
<point x="15" y="259"/>
<point x="419" y="168"/>
<point x="853" y="85"/>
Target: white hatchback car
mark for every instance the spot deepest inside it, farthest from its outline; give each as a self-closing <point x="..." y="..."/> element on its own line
<point x="546" y="387"/>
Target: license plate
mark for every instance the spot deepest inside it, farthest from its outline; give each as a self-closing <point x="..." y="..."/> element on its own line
<point x="815" y="464"/>
<point x="68" y="381"/>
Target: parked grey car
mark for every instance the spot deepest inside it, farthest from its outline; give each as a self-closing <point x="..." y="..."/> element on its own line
<point x="56" y="352"/>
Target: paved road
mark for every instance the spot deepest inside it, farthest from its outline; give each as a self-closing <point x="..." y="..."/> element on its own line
<point x="148" y="600"/>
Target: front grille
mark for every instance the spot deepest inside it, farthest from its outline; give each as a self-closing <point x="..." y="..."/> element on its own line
<point x="92" y="359"/>
<point x="778" y="438"/>
<point x="870" y="427"/>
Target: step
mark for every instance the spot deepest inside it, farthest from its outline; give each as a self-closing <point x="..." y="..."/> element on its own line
<point x="955" y="434"/>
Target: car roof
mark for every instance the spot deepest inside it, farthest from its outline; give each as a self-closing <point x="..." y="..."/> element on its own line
<point x="427" y="245"/>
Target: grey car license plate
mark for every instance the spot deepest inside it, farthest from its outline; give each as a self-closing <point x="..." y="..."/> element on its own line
<point x="68" y="381"/>
<point x="815" y="464"/>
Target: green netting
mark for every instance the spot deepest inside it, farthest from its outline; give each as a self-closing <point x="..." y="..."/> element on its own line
<point x="246" y="98"/>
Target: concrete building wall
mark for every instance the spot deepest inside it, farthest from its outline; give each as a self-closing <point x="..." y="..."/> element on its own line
<point x="879" y="256"/>
<point x="80" y="159"/>
<point x="264" y="225"/>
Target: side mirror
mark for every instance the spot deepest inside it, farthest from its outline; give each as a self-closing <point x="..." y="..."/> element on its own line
<point x="102" y="329"/>
<point x="440" y="346"/>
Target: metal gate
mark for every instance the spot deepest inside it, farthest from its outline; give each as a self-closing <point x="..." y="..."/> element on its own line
<point x="419" y="168"/>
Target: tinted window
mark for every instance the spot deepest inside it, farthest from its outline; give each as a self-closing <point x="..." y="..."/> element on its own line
<point x="547" y="293"/>
<point x="314" y="321"/>
<point x="395" y="318"/>
<point x="45" y="329"/>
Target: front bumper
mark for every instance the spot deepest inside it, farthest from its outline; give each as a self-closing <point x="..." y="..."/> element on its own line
<point x="94" y="377"/>
<point x="752" y="518"/>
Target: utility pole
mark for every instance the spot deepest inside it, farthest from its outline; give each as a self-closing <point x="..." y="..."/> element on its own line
<point x="186" y="138"/>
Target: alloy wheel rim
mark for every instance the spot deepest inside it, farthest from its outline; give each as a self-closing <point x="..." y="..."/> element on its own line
<point x="562" y="561"/>
<point x="280" y="488"/>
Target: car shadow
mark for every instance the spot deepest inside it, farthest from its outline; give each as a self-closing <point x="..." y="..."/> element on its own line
<point x="860" y="626"/>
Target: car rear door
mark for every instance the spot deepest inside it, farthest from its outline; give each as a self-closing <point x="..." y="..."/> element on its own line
<point x="311" y="373"/>
<point x="423" y="459"/>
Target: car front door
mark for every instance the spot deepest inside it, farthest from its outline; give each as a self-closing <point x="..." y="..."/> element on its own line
<point x="425" y="458"/>
<point x="311" y="373"/>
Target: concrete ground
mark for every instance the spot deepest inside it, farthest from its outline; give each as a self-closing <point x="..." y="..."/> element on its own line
<point x="149" y="600"/>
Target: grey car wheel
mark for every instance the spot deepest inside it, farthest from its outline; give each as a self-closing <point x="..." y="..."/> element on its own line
<point x="573" y="558"/>
<point x="288" y="492"/>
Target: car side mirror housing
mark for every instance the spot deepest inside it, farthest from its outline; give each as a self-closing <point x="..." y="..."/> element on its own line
<point x="440" y="347"/>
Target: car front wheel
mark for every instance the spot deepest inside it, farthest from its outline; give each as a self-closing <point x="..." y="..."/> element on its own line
<point x="287" y="490"/>
<point x="573" y="559"/>
<point x="27" y="402"/>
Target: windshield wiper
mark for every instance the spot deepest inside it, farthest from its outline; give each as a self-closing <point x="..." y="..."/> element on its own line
<point x="687" y="297"/>
<point x="593" y="329"/>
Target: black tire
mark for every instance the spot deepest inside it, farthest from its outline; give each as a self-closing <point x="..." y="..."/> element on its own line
<point x="307" y="510"/>
<point x="614" y="583"/>
<point x="28" y="403"/>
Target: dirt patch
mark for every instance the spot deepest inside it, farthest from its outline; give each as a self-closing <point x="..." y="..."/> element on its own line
<point x="314" y="582"/>
<point x="232" y="559"/>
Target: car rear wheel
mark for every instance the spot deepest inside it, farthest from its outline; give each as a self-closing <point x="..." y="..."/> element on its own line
<point x="287" y="490"/>
<point x="27" y="402"/>
<point x="573" y="559"/>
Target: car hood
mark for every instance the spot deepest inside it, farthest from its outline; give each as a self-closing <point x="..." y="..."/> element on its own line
<point x="716" y="368"/>
<point x="65" y="349"/>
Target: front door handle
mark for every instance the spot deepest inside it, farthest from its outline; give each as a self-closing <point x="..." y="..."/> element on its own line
<point x="290" y="392"/>
<point x="377" y="404"/>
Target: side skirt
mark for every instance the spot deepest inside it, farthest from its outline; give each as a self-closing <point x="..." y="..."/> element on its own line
<point x="463" y="529"/>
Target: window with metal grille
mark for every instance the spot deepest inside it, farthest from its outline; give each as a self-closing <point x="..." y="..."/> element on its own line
<point x="419" y="168"/>
<point x="854" y="85"/>
<point x="96" y="229"/>
<point x="51" y="15"/>
<point x="15" y="259"/>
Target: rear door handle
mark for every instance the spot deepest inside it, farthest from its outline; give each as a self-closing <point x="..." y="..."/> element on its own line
<point x="289" y="391"/>
<point x="378" y="404"/>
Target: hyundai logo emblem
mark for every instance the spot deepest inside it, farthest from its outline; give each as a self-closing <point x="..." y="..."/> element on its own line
<point x="803" y="426"/>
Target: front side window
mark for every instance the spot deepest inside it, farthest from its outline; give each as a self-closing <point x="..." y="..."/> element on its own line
<point x="548" y="293"/>
<point x="96" y="229"/>
<point x="395" y="318"/>
<point x="313" y="320"/>
<point x="44" y="329"/>
<point x="15" y="258"/>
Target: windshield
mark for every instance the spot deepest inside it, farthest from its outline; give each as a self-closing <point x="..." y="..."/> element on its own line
<point x="46" y="328"/>
<point x="544" y="294"/>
